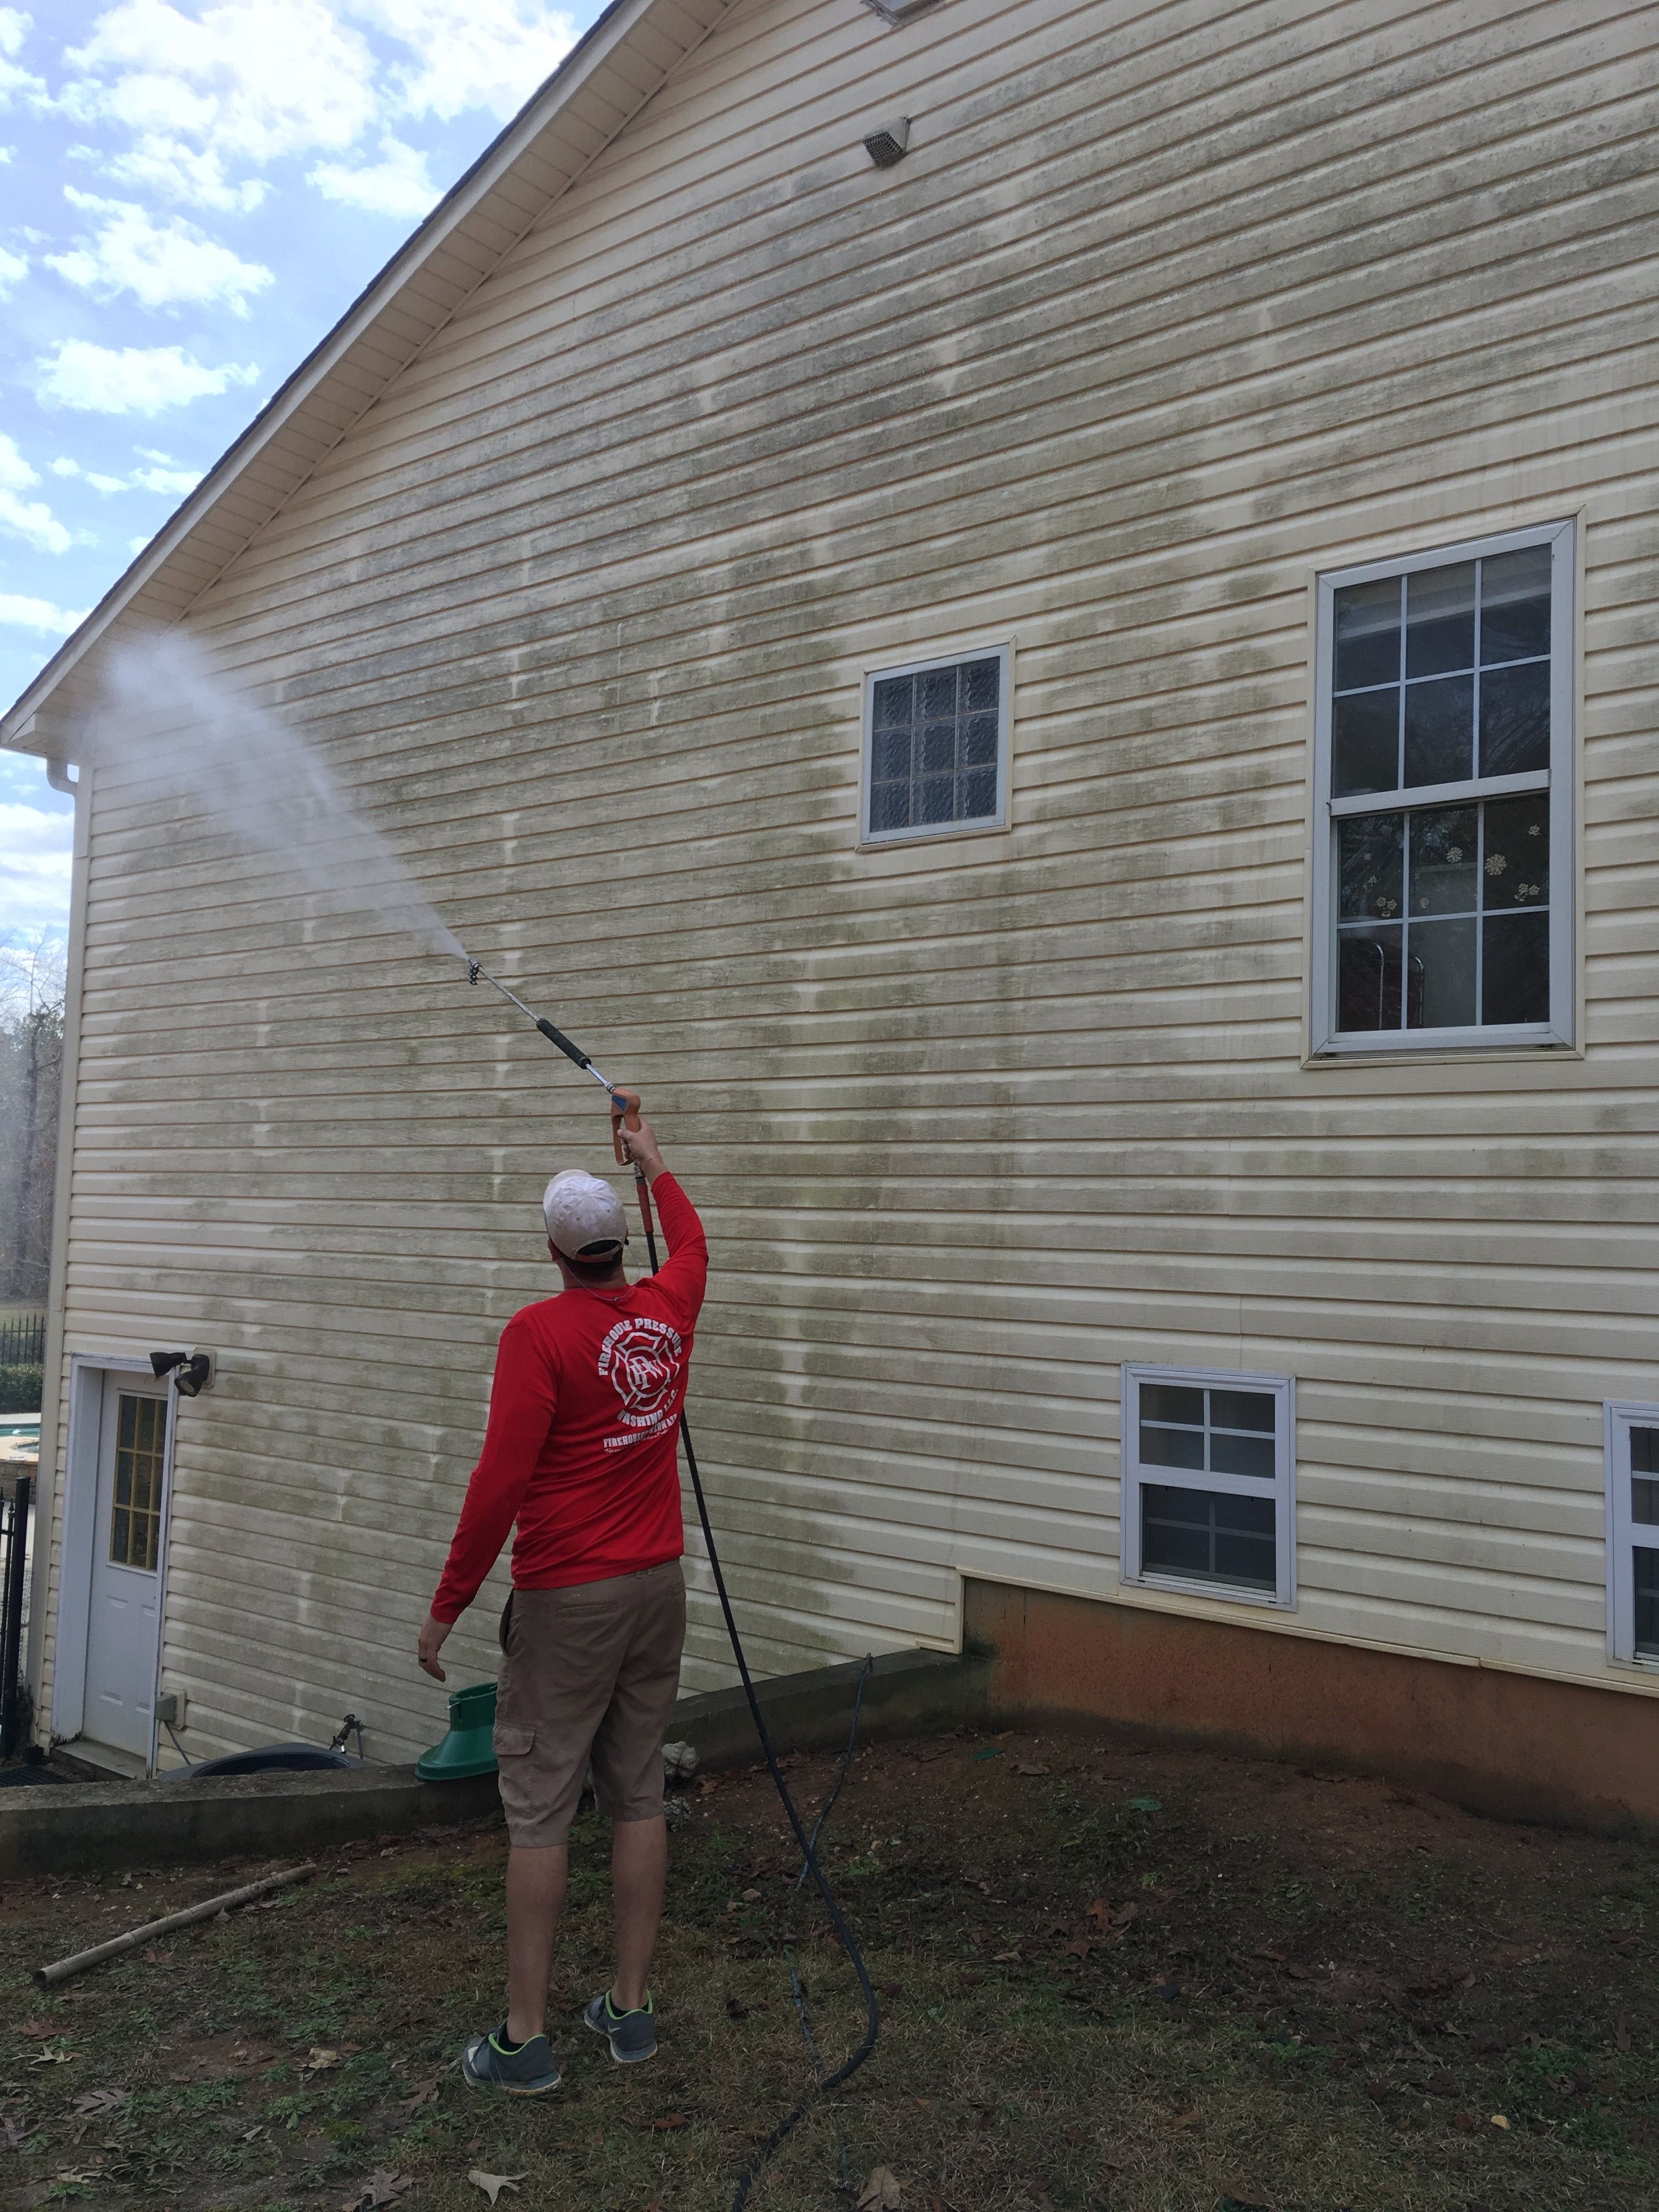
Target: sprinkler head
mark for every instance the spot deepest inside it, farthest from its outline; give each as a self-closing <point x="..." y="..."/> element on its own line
<point x="473" y="968"/>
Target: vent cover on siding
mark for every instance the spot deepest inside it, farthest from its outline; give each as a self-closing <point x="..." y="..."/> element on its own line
<point x="900" y="11"/>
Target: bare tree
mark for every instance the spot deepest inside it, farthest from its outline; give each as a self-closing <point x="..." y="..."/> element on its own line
<point x="31" y="1077"/>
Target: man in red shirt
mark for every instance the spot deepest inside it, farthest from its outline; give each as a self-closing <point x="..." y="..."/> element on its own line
<point x="579" y="1451"/>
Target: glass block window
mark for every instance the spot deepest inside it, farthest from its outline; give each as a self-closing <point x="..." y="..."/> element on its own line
<point x="135" y="1528"/>
<point x="1207" y="1502"/>
<point x="1632" y="1477"/>
<point x="936" y="747"/>
<point x="1444" y="779"/>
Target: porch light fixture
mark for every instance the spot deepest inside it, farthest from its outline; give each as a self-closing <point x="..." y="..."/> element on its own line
<point x="888" y="146"/>
<point x="191" y="1371"/>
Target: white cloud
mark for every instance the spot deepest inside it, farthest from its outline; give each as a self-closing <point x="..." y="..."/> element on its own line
<point x="15" y="27"/>
<point x="34" y="521"/>
<point x="161" y="264"/>
<point x="173" y="481"/>
<point x="207" y="99"/>
<point x="31" y="520"/>
<point x="15" y="474"/>
<point x="137" y="545"/>
<point x="36" y="850"/>
<point x="39" y="614"/>
<point x="132" y="381"/>
<point x="397" y="185"/>
<point x="205" y="96"/>
<point x="472" y="53"/>
<point x="14" y="267"/>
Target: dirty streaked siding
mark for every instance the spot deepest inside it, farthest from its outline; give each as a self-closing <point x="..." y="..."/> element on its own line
<point x="1169" y="308"/>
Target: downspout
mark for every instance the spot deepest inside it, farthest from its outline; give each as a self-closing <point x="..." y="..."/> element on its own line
<point x="49" y="1481"/>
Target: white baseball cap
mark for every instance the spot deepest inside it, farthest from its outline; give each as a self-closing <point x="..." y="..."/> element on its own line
<point x="581" y="1209"/>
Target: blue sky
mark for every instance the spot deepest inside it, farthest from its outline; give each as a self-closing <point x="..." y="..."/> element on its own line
<point x="191" y="192"/>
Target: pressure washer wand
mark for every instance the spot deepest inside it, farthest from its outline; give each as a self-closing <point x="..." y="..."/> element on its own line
<point x="475" y="974"/>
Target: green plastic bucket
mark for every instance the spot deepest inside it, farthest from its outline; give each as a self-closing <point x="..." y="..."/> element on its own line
<point x="467" y="1749"/>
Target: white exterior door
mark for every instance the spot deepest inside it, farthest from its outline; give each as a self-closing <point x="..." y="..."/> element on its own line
<point x="124" y="1630"/>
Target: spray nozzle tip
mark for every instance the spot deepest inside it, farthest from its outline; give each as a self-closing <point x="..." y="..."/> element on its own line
<point x="474" y="969"/>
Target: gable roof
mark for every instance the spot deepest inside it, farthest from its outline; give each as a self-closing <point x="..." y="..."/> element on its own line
<point x="604" y="81"/>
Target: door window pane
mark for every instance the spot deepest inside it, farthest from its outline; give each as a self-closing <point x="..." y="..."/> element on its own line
<point x="135" y="1533"/>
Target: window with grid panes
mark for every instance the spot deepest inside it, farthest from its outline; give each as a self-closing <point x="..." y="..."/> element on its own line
<point x="1208" y="1500"/>
<point x="1443" y="773"/>
<point x="1633" y="1477"/>
<point x="935" y="746"/>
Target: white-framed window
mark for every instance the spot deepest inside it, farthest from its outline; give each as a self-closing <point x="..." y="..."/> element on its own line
<point x="936" y="746"/>
<point x="1443" y="799"/>
<point x="1209" y="1482"/>
<point x="1633" y="1474"/>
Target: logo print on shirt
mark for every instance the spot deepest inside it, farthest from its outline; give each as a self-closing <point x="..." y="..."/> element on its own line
<point x="643" y="1358"/>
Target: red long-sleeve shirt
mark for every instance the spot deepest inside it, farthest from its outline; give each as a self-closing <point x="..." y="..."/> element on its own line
<point x="584" y="1412"/>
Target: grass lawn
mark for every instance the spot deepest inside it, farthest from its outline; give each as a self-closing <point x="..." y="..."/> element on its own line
<point x="1155" y="1983"/>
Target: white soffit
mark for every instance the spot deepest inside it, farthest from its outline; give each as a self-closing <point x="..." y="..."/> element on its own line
<point x="600" y="86"/>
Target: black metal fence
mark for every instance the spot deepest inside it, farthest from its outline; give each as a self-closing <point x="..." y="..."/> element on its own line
<point x="23" y="1341"/>
<point x="14" y="1587"/>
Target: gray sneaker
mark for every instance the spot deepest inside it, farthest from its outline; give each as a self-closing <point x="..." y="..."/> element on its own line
<point x="529" y="2071"/>
<point x="633" y="2034"/>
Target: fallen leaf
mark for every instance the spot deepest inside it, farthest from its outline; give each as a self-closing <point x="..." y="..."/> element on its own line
<point x="41" y="2028"/>
<point x="1080" y="1949"/>
<point x="1185" y="2120"/>
<point x="1100" y="1913"/>
<point x="668" y="2124"/>
<point x="493" y="2184"/>
<point x="320" y="2061"/>
<point x="383" y="2187"/>
<point x="1498" y="2121"/>
<point x="881" y="2193"/>
<point x="424" y="2093"/>
<point x="1020" y="1767"/>
<point x="1004" y="1958"/>
<point x="157" y="1958"/>
<point x="101" y="2101"/>
<point x="53" y="2055"/>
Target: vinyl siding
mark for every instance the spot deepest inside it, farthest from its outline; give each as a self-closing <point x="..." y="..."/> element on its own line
<point x="1169" y="308"/>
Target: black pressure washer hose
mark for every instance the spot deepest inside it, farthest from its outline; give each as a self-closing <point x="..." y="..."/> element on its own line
<point x="620" y="1103"/>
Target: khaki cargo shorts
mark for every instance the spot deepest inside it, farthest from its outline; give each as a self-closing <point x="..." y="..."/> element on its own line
<point x="589" y="1672"/>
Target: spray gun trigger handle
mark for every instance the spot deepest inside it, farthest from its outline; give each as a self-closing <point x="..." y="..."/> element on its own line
<point x="624" y="1115"/>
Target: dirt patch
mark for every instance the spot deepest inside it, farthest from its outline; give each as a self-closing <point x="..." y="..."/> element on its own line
<point x="1110" y="1979"/>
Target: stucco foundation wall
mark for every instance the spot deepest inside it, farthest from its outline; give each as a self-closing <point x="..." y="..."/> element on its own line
<point x="1499" y="1742"/>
